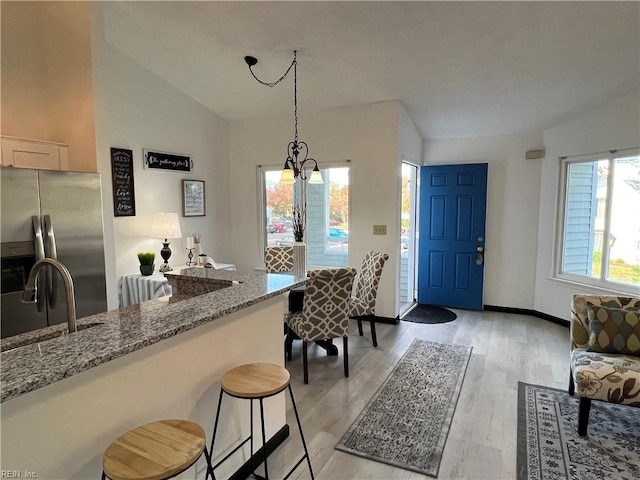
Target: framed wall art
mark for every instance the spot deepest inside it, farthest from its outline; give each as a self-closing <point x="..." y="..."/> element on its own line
<point x="193" y="198"/>
<point x="124" y="199"/>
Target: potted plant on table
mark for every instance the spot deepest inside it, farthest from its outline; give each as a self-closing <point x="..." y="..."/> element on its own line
<point x="146" y="262"/>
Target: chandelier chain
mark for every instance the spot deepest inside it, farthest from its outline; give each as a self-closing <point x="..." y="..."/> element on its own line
<point x="284" y="75"/>
<point x="294" y="65"/>
<point x="295" y="95"/>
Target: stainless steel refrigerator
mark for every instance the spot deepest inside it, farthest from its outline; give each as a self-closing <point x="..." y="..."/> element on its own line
<point x="58" y="215"/>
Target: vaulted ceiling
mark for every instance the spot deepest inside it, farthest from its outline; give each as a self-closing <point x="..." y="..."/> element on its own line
<point x="458" y="68"/>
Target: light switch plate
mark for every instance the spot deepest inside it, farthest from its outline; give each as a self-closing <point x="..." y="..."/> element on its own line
<point x="379" y="229"/>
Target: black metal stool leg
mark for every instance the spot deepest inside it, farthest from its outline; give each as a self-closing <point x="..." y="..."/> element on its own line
<point x="304" y="444"/>
<point x="251" y="433"/>
<point x="213" y="437"/>
<point x="264" y="440"/>
<point x="209" y="464"/>
<point x="104" y="477"/>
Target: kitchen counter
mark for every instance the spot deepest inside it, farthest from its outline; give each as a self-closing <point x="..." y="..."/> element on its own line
<point x="107" y="336"/>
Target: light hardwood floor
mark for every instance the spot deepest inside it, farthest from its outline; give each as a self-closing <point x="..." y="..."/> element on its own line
<point x="482" y="441"/>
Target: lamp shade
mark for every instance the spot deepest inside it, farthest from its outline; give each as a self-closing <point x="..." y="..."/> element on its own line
<point x="165" y="225"/>
<point x="287" y="177"/>
<point x="316" y="177"/>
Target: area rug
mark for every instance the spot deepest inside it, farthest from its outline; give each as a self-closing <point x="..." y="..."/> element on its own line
<point x="406" y="422"/>
<point x="549" y="447"/>
<point x="429" y="314"/>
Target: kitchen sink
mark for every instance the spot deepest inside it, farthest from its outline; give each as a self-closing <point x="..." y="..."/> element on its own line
<point x="38" y="336"/>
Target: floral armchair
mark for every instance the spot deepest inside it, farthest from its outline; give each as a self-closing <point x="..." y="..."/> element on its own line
<point x="605" y="352"/>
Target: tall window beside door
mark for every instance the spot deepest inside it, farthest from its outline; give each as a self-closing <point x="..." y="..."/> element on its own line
<point x="327" y="229"/>
<point x="600" y="240"/>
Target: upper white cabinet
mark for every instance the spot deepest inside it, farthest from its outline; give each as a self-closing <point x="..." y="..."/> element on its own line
<point x="23" y="153"/>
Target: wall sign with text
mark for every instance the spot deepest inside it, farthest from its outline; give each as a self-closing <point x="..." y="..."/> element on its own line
<point x="124" y="199"/>
<point x="167" y="161"/>
<point x="193" y="203"/>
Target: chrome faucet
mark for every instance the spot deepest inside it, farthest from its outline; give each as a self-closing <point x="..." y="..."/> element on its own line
<point x="30" y="289"/>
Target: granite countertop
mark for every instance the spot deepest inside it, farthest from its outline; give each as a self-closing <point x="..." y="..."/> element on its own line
<point x="115" y="333"/>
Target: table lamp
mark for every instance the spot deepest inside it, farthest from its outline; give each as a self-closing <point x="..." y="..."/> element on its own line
<point x="165" y="225"/>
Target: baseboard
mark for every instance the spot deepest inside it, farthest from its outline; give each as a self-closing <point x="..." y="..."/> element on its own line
<point x="245" y="471"/>
<point x="527" y="311"/>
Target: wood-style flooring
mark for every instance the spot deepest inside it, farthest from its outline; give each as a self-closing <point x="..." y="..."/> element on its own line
<point x="481" y="444"/>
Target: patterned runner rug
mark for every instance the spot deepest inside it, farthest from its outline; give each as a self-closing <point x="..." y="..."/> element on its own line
<point x="549" y="447"/>
<point x="407" y="421"/>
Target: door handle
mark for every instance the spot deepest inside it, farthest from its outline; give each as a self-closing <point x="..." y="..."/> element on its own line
<point x="479" y="256"/>
<point x="52" y="252"/>
<point x="39" y="247"/>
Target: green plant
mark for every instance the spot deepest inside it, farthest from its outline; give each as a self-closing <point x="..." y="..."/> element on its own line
<point x="146" y="258"/>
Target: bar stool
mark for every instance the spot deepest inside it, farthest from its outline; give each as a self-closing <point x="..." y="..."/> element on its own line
<point x="155" y="451"/>
<point x="257" y="381"/>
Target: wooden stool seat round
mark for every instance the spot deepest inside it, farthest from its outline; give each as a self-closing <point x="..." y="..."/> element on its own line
<point x="154" y="451"/>
<point x="255" y="380"/>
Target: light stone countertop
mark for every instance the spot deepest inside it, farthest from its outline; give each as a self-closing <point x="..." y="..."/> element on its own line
<point x="35" y="365"/>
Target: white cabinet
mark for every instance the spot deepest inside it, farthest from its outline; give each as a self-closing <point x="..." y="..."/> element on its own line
<point x="23" y="153"/>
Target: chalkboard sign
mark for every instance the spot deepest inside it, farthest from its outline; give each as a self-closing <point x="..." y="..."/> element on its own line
<point x="167" y="161"/>
<point x="124" y="200"/>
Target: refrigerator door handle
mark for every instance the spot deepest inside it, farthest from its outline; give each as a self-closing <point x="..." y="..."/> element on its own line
<point x="52" y="252"/>
<point x="39" y="248"/>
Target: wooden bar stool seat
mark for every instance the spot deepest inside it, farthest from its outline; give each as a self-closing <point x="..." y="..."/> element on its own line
<point x="257" y="381"/>
<point x="155" y="451"/>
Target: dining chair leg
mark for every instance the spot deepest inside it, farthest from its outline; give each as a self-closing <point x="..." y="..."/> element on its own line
<point x="374" y="337"/>
<point x="345" y="352"/>
<point x="572" y="387"/>
<point x="360" y="326"/>
<point x="288" y="344"/>
<point x="305" y="366"/>
<point x="583" y="415"/>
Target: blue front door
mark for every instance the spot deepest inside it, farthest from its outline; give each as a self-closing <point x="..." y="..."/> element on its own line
<point x="453" y="200"/>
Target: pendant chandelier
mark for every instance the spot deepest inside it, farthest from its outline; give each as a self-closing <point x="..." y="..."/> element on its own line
<point x="297" y="151"/>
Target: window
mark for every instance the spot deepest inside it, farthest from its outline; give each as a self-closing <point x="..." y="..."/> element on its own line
<point x="601" y="227"/>
<point x="327" y="235"/>
<point x="327" y="229"/>
<point x="278" y="209"/>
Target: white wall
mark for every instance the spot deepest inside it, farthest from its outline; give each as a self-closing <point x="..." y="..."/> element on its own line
<point x="368" y="136"/>
<point x="409" y="139"/>
<point x="136" y="109"/>
<point x="613" y="126"/>
<point x="512" y="210"/>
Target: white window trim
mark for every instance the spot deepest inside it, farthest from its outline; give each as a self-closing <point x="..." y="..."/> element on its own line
<point x="603" y="284"/>
<point x="262" y="200"/>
